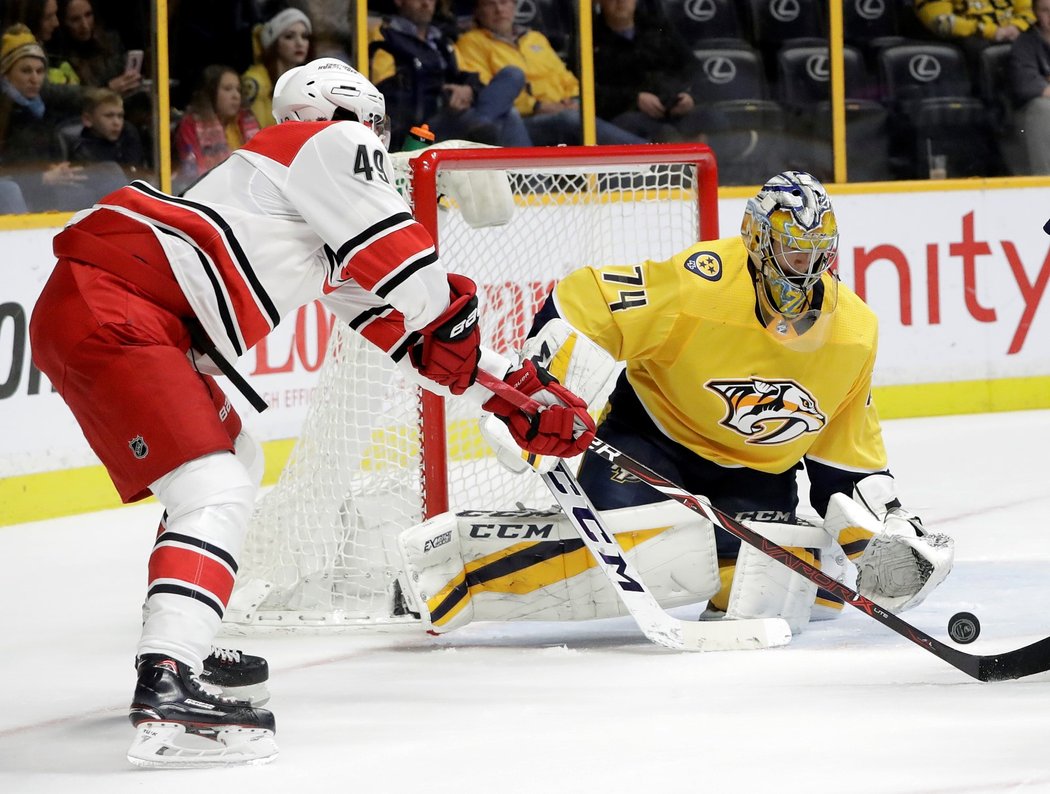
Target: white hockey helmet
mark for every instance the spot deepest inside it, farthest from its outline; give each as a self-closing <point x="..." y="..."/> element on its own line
<point x="327" y="89"/>
<point x="792" y="238"/>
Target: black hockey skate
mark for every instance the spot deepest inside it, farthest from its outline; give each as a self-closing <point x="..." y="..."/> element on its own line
<point x="239" y="675"/>
<point x="181" y="724"/>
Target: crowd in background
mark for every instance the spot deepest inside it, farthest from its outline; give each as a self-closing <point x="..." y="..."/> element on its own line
<point x="933" y="87"/>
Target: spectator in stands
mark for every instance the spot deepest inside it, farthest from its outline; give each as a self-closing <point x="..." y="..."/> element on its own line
<point x="549" y="102"/>
<point x="284" y="42"/>
<point x="30" y="152"/>
<point x="214" y="125"/>
<point x="11" y="200"/>
<point x="96" y="54"/>
<point x="976" y="24"/>
<point x="204" y="31"/>
<point x="105" y="137"/>
<point x="416" y="67"/>
<point x="61" y="89"/>
<point x="642" y="74"/>
<point x="1030" y="83"/>
<point x="41" y="17"/>
<point x="332" y="29"/>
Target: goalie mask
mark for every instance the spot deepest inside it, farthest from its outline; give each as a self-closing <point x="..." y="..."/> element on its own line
<point x="329" y="90"/>
<point x="792" y="238"/>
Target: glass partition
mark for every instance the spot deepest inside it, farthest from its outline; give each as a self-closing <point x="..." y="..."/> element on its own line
<point x="99" y="92"/>
<point x="78" y="105"/>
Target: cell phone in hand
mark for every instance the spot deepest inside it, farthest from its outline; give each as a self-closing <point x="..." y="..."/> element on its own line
<point x="134" y="61"/>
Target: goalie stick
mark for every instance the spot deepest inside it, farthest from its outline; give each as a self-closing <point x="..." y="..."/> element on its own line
<point x="658" y="626"/>
<point x="1018" y="663"/>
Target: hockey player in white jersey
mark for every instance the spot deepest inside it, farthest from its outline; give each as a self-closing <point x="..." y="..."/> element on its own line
<point x="153" y="294"/>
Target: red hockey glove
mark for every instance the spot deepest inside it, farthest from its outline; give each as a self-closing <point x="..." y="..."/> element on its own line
<point x="450" y="348"/>
<point x="562" y="429"/>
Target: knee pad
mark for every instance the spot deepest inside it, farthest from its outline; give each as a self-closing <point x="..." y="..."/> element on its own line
<point x="209" y="498"/>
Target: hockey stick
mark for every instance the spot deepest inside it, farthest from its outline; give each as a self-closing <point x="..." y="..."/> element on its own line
<point x="658" y="626"/>
<point x="1028" y="660"/>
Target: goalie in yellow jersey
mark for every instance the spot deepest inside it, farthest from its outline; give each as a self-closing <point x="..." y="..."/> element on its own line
<point x="745" y="361"/>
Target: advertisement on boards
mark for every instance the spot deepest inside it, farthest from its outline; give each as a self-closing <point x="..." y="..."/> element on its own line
<point x="958" y="279"/>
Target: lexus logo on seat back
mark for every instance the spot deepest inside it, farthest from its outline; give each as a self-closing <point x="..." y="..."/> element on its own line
<point x="924" y="68"/>
<point x="784" y="10"/>
<point x="525" y="12"/>
<point x="700" y="10"/>
<point x="719" y="70"/>
<point x="817" y="68"/>
<point x="870" y="9"/>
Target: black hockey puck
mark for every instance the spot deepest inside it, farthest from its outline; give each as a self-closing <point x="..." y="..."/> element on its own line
<point x="964" y="627"/>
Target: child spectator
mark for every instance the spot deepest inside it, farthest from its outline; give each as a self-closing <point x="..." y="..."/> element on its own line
<point x="214" y="125"/>
<point x="105" y="137"/>
<point x="284" y="42"/>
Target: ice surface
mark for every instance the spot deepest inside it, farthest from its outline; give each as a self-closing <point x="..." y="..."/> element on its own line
<point x="848" y="706"/>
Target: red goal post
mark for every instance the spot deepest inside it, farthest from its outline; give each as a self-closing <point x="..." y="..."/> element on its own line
<point x="377" y="455"/>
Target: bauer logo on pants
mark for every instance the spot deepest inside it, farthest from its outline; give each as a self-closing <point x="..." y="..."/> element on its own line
<point x="138" y="447"/>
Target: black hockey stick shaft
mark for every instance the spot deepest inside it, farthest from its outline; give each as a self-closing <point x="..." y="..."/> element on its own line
<point x="1029" y="660"/>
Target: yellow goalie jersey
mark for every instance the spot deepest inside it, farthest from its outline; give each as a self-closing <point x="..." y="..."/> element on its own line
<point x="714" y="379"/>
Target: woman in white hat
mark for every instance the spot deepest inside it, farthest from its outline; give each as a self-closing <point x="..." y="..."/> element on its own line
<point x="283" y="42"/>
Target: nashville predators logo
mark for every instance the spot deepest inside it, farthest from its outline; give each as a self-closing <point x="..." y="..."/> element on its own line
<point x="768" y="411"/>
<point x="706" y="264"/>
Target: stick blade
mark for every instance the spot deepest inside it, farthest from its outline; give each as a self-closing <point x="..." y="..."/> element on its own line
<point x="735" y="635"/>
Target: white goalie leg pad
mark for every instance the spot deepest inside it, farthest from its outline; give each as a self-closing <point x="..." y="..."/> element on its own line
<point x="902" y="562"/>
<point x="764" y="588"/>
<point x="531" y="565"/>
<point x="583" y="367"/>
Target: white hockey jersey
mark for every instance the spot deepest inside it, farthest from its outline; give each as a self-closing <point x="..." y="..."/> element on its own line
<point x="305" y="211"/>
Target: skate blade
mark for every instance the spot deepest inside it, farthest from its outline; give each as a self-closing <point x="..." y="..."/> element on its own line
<point x="169" y="744"/>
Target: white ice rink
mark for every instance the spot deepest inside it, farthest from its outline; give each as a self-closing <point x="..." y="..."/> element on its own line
<point x="848" y="706"/>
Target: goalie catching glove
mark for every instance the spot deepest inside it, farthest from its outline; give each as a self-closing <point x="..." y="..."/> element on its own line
<point x="450" y="349"/>
<point x="902" y="562"/>
<point x="562" y="428"/>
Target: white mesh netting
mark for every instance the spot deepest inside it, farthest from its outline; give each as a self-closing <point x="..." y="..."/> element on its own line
<point x="322" y="550"/>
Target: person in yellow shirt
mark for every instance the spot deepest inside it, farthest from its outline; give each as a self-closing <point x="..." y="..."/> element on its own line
<point x="549" y="102"/>
<point x="415" y="65"/>
<point x="975" y="25"/>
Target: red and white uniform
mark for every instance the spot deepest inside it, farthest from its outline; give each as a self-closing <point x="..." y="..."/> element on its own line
<point x="306" y="211"/>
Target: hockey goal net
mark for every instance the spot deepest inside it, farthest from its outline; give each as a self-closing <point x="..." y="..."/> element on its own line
<point x="377" y="455"/>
